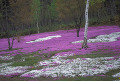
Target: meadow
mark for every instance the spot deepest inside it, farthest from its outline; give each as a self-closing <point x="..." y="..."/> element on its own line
<point x="59" y="56"/>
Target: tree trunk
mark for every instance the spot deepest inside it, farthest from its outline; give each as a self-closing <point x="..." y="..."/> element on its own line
<point x="78" y="30"/>
<point x="10" y="44"/>
<point x="7" y="28"/>
<point x="77" y="26"/>
<point x="37" y="22"/>
<point x="84" y="45"/>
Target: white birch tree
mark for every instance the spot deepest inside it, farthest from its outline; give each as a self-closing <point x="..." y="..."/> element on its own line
<point x="84" y="45"/>
<point x="92" y="2"/>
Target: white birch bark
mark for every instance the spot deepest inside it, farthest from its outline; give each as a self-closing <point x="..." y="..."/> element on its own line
<point x="86" y="25"/>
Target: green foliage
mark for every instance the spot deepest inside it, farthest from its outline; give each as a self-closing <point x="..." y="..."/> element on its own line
<point x="117" y="19"/>
<point x="93" y="2"/>
<point x="3" y="35"/>
<point x="36" y="9"/>
<point x="1" y="15"/>
<point x="4" y="61"/>
<point x="71" y="11"/>
<point x="22" y="12"/>
<point x="28" y="31"/>
<point x="65" y="10"/>
<point x="28" y="62"/>
<point x="70" y="8"/>
<point x="52" y="9"/>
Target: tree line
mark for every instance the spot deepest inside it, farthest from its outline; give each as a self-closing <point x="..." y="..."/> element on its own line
<point x="34" y="16"/>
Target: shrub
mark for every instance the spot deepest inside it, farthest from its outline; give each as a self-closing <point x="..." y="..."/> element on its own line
<point x="117" y="20"/>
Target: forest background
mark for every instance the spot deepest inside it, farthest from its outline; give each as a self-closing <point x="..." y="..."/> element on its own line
<point x="25" y="17"/>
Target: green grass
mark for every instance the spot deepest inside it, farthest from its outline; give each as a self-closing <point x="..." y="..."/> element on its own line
<point x="112" y="72"/>
<point x="87" y="56"/>
<point x="107" y="77"/>
<point x="107" y="52"/>
<point x="10" y="50"/>
<point x="31" y="59"/>
<point x="89" y="78"/>
<point x="77" y="78"/>
<point x="17" y="78"/>
<point x="17" y="57"/>
<point x="53" y="53"/>
<point x="94" y="54"/>
<point x="84" y="56"/>
<point x="4" y="61"/>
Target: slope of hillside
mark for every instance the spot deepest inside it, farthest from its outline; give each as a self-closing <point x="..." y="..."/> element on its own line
<point x="59" y="53"/>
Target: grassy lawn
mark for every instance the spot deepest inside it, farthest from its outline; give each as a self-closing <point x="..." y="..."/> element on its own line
<point x="5" y="61"/>
<point x="28" y="62"/>
<point x="31" y="59"/>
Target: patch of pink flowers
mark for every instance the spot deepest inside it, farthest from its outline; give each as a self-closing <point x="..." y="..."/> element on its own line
<point x="63" y="42"/>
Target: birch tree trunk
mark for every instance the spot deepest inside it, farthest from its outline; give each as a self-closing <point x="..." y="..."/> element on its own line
<point x="84" y="45"/>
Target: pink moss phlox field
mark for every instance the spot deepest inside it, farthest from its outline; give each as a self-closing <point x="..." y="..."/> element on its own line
<point x="63" y="42"/>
